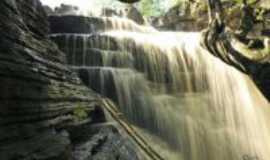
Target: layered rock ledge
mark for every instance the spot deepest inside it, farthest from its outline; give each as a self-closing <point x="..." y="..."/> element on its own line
<point x="46" y="112"/>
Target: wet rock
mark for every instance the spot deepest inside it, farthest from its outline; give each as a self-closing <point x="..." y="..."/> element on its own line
<point x="109" y="12"/>
<point x="82" y="24"/>
<point x="105" y="144"/>
<point x="48" y="10"/>
<point x="38" y="91"/>
<point x="185" y="16"/>
<point x="45" y="145"/>
<point x="66" y="9"/>
<point x="40" y="95"/>
<point x="129" y="12"/>
<point x="133" y="14"/>
<point x="76" y="24"/>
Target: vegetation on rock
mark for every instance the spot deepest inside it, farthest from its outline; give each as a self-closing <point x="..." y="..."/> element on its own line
<point x="80" y="113"/>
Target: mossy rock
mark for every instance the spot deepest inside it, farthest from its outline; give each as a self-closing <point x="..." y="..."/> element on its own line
<point x="80" y="113"/>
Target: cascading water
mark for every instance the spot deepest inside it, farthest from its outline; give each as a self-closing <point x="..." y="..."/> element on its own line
<point x="176" y="91"/>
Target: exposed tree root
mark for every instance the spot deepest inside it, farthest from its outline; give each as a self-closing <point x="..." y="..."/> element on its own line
<point x="251" y="57"/>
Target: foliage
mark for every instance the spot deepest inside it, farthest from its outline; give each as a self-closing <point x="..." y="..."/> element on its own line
<point x="175" y="2"/>
<point x="248" y="1"/>
<point x="149" y="8"/>
<point x="107" y="3"/>
<point x="156" y="7"/>
<point x="80" y="113"/>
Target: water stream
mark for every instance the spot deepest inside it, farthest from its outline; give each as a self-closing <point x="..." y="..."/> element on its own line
<point x="188" y="104"/>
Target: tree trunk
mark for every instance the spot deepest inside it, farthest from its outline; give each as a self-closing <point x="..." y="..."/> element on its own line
<point x="236" y="50"/>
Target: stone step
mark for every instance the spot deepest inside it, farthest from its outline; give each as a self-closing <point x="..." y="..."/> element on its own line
<point x="86" y="25"/>
<point x="71" y="42"/>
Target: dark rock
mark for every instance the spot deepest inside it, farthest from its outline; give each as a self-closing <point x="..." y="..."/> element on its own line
<point x="76" y="24"/>
<point x="106" y="144"/>
<point x="133" y="14"/>
<point x="63" y="9"/>
<point x="186" y="16"/>
<point x="81" y="24"/>
<point x="129" y="12"/>
<point x="39" y="93"/>
<point x="66" y="9"/>
<point x="108" y="12"/>
<point x="45" y="145"/>
<point x="48" y="10"/>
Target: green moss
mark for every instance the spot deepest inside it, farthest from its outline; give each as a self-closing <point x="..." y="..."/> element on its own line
<point x="80" y="113"/>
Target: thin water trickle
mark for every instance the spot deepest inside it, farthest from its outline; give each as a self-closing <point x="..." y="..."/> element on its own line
<point x="189" y="104"/>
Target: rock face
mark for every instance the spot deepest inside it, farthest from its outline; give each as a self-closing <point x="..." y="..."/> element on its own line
<point x="43" y="103"/>
<point x="129" y="12"/>
<point x="87" y="25"/>
<point x="193" y="16"/>
<point x="65" y="9"/>
<point x="109" y="12"/>
<point x="133" y="13"/>
<point x="186" y="16"/>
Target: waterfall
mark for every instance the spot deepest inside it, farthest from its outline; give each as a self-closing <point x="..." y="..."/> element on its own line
<point x="174" y="90"/>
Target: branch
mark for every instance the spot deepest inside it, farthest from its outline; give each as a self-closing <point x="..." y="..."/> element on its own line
<point x="215" y="11"/>
<point x="231" y="49"/>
